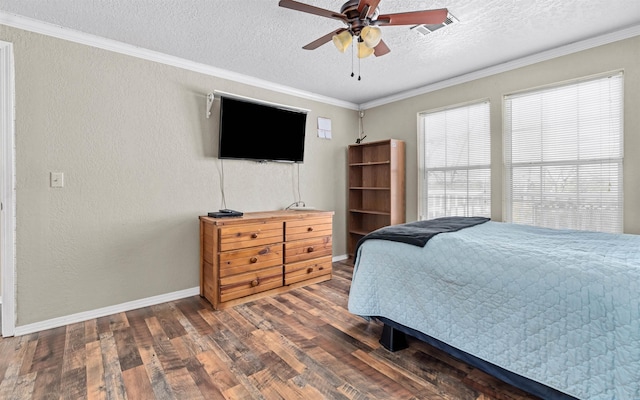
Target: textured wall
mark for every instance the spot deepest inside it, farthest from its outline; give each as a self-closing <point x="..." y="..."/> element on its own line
<point x="138" y="154"/>
<point x="400" y="117"/>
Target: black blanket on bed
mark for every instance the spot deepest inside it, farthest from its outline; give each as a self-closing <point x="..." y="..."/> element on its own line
<point x="418" y="233"/>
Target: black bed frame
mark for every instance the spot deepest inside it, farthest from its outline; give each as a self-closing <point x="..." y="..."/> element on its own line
<point x="394" y="338"/>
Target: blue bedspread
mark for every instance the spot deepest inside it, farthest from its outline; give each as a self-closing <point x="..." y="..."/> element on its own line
<point x="559" y="307"/>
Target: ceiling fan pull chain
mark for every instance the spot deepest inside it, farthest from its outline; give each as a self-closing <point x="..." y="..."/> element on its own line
<point x="359" y="69"/>
<point x="352" y="46"/>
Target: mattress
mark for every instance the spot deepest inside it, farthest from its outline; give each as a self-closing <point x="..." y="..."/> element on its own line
<point x="559" y="307"/>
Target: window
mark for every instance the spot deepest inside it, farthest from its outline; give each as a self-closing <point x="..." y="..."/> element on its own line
<point x="563" y="155"/>
<point x="455" y="162"/>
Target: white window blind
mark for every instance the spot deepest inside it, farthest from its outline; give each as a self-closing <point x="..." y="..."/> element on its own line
<point x="455" y="162"/>
<point x="563" y="155"/>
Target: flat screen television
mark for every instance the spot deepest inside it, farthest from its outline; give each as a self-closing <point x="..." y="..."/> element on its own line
<point x="250" y="130"/>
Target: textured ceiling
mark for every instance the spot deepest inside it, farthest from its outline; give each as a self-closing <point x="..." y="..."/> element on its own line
<point x="259" y="39"/>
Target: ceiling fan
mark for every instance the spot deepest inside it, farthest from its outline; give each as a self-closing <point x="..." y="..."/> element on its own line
<point x="362" y="19"/>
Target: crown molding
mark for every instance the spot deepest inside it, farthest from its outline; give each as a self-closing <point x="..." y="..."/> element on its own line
<point x="59" y="32"/>
<point x="44" y="28"/>
<point x="510" y="65"/>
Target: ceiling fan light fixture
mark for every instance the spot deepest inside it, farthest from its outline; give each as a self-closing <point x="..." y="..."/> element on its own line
<point x="364" y="51"/>
<point x="371" y="35"/>
<point x="342" y="41"/>
<point x="363" y="21"/>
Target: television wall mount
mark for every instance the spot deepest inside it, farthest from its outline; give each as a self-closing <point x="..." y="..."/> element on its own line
<point x="210" y="98"/>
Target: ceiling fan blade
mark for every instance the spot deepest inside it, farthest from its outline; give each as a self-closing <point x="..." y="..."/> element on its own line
<point x="367" y="7"/>
<point x="414" y="18"/>
<point x="381" y="49"/>
<point x="320" y="41"/>
<point x="294" y="5"/>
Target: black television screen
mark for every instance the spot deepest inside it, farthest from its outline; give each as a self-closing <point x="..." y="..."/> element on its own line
<point x="260" y="132"/>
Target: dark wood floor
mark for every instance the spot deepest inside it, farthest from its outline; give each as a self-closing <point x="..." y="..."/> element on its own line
<point x="303" y="344"/>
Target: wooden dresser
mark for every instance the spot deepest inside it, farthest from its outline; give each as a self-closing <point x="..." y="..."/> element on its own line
<point x="263" y="253"/>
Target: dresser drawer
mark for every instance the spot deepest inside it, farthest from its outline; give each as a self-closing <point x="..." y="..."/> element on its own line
<point x="251" y="259"/>
<point x="240" y="285"/>
<point x="250" y="235"/>
<point x="307" y="228"/>
<point x="304" y="270"/>
<point x="301" y="250"/>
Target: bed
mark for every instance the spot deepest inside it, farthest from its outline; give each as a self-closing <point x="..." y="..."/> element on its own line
<point x="554" y="312"/>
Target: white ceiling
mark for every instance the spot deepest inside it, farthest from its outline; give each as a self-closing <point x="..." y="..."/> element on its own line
<point x="257" y="38"/>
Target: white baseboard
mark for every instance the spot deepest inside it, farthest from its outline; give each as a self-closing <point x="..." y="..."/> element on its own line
<point x="101" y="312"/>
<point x="340" y="258"/>
<point x="118" y="308"/>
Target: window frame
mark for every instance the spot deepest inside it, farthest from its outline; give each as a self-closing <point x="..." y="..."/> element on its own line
<point x="507" y="200"/>
<point x="422" y="171"/>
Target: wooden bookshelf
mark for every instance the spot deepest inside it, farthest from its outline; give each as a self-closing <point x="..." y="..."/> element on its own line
<point x="376" y="188"/>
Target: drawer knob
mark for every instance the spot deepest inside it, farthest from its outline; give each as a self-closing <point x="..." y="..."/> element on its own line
<point x="321" y="268"/>
<point x="254" y="235"/>
<point x="310" y="229"/>
<point x="253" y="260"/>
<point x="255" y="282"/>
<point x="309" y="249"/>
<point x="309" y="270"/>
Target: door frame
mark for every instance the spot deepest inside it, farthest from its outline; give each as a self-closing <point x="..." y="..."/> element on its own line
<point x="7" y="189"/>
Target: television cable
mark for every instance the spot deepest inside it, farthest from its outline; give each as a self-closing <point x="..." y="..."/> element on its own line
<point x="224" y="200"/>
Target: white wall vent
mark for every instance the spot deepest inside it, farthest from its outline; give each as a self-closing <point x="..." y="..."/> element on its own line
<point x="425" y="29"/>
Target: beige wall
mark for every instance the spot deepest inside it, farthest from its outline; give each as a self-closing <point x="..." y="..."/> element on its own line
<point x="138" y="156"/>
<point x="399" y="119"/>
<point x="139" y="163"/>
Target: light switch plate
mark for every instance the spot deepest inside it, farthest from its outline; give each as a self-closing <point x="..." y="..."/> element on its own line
<point x="57" y="179"/>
